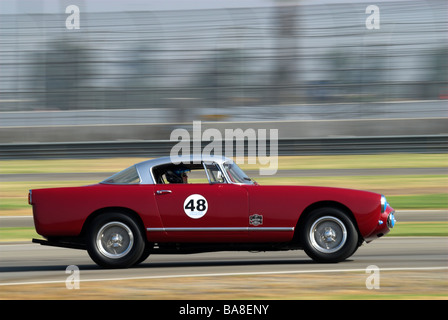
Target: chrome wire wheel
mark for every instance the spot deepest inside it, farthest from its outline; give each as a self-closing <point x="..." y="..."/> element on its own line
<point x="114" y="240"/>
<point x="328" y="234"/>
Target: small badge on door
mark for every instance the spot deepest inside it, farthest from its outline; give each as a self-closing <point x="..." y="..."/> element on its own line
<point x="256" y="219"/>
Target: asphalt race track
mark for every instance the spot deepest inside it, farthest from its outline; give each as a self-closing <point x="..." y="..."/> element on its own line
<point x="23" y="264"/>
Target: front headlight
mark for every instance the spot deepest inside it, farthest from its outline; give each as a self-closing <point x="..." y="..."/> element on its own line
<point x="391" y="220"/>
<point x="383" y="203"/>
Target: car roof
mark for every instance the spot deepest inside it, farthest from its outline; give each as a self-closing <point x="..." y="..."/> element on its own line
<point x="144" y="167"/>
<point x="184" y="159"/>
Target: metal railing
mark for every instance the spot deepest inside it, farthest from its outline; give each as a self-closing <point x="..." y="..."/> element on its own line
<point x="286" y="147"/>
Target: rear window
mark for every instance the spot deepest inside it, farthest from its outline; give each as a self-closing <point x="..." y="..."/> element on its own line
<point x="127" y="176"/>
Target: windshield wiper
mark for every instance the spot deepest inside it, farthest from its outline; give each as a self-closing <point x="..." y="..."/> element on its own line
<point x="250" y="179"/>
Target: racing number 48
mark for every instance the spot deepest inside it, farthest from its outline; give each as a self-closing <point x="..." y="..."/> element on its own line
<point x="200" y="205"/>
<point x="195" y="206"/>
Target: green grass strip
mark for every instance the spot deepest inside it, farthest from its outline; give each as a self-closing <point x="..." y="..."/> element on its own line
<point x="394" y="160"/>
<point x="18" y="234"/>
<point x="419" y="201"/>
<point x="420" y="229"/>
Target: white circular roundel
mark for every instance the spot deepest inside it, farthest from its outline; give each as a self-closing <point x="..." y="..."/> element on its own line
<point x="195" y="206"/>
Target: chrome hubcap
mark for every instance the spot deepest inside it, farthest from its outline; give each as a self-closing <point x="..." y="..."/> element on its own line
<point x="328" y="234"/>
<point x="114" y="240"/>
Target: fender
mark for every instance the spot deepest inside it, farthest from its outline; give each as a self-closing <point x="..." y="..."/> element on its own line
<point x="63" y="211"/>
<point x="282" y="206"/>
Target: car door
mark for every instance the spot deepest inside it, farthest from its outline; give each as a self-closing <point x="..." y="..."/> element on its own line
<point x="273" y="213"/>
<point x="209" y="212"/>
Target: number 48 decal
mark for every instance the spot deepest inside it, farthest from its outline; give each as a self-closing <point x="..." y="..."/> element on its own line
<point x="200" y="205"/>
<point x="195" y="206"/>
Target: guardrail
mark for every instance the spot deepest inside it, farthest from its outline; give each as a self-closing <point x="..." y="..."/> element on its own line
<point x="156" y="148"/>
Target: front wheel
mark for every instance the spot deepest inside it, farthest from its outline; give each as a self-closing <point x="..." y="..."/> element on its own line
<point x="329" y="235"/>
<point x="114" y="240"/>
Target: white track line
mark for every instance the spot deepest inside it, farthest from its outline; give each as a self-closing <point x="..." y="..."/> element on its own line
<point x="227" y="275"/>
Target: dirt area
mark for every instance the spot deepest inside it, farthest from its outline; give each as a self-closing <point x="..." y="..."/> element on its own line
<point x="351" y="285"/>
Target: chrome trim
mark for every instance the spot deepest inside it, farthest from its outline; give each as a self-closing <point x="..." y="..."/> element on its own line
<point x="204" y="165"/>
<point x="383" y="203"/>
<point x="163" y="191"/>
<point x="271" y="228"/>
<point x="328" y="234"/>
<point x="391" y="220"/>
<point x="114" y="240"/>
<point x="221" y="229"/>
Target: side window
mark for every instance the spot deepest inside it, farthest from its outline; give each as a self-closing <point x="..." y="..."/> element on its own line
<point x="180" y="174"/>
<point x="202" y="173"/>
<point x="214" y="173"/>
<point x="127" y="176"/>
<point x="197" y="175"/>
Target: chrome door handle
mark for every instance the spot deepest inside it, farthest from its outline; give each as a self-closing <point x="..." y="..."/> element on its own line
<point x="163" y="191"/>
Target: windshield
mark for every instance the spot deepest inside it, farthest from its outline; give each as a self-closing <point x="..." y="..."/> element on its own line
<point x="237" y="175"/>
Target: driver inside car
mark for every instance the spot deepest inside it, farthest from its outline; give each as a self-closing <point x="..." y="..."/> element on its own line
<point x="177" y="175"/>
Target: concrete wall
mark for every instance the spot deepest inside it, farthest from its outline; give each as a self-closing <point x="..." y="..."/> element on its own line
<point x="286" y="129"/>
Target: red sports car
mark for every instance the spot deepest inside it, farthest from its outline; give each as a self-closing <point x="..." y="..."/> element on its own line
<point x="203" y="204"/>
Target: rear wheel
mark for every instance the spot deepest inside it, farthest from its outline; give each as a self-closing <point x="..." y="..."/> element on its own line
<point x="146" y="253"/>
<point x="114" y="240"/>
<point x="329" y="235"/>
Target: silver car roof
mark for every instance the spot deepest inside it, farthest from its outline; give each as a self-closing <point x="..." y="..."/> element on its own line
<point x="144" y="168"/>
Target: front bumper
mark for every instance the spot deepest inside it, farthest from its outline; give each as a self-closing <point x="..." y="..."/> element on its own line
<point x="386" y="221"/>
<point x="387" y="211"/>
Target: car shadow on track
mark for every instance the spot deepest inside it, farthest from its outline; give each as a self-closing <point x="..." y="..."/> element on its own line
<point x="222" y="263"/>
<point x="46" y="268"/>
<point x="159" y="265"/>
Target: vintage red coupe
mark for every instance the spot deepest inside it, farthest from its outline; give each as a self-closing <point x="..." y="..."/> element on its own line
<point x="151" y="207"/>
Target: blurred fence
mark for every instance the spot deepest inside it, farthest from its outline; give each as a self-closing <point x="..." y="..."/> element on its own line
<point x="196" y="59"/>
<point x="286" y="147"/>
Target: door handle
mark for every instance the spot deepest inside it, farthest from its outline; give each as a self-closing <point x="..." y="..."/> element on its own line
<point x="163" y="191"/>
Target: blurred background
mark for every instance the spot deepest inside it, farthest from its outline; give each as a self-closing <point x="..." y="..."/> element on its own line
<point x="354" y="106"/>
<point x="134" y="66"/>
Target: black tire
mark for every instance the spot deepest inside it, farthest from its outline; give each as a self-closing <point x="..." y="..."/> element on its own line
<point x="329" y="235"/>
<point x="146" y="253"/>
<point x="115" y="240"/>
